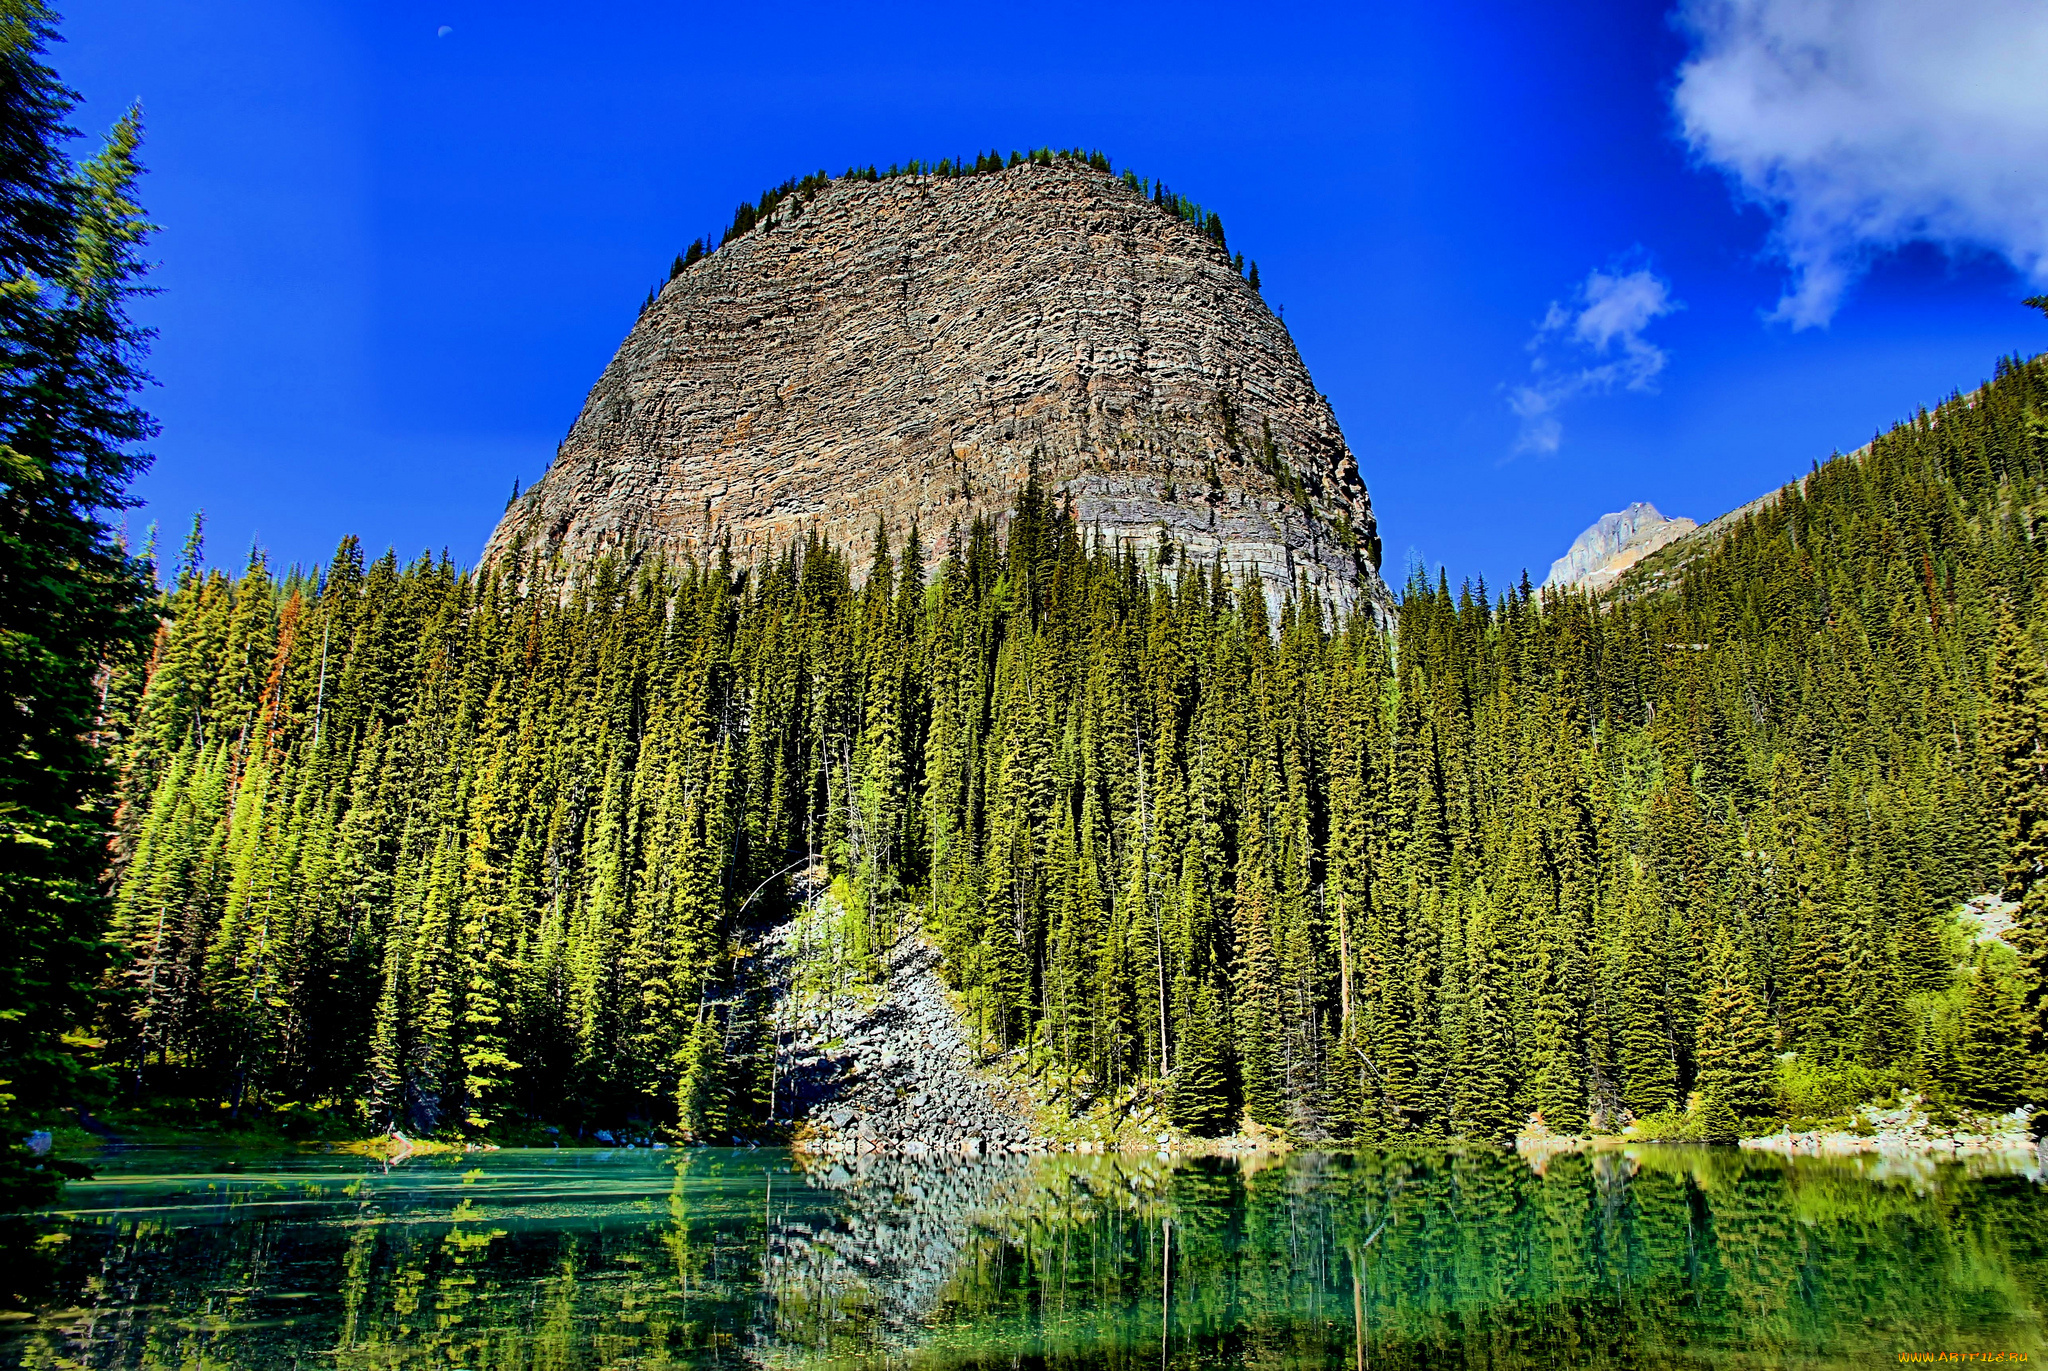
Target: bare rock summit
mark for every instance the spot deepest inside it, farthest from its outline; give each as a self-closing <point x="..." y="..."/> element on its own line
<point x="911" y="349"/>
<point x="1612" y="545"/>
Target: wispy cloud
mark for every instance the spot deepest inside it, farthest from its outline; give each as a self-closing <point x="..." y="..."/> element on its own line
<point x="1864" y="126"/>
<point x="1590" y="346"/>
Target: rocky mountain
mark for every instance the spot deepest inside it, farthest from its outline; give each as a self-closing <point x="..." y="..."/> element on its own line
<point x="910" y="349"/>
<point x="1612" y="545"/>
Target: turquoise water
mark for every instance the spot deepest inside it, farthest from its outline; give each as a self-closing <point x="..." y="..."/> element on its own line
<point x="547" y="1259"/>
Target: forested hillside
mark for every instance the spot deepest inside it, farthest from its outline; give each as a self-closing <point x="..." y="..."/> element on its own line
<point x="479" y="848"/>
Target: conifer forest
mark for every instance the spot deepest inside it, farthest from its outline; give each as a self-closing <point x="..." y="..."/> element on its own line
<point x="465" y="850"/>
<point x="926" y="837"/>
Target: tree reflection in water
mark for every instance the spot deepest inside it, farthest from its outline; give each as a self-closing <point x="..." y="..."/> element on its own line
<point x="572" y="1260"/>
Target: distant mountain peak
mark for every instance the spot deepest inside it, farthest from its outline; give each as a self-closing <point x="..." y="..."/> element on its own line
<point x="1612" y="545"/>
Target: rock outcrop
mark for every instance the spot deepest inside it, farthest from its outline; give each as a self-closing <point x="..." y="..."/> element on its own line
<point x="888" y="1072"/>
<point x="1612" y="545"/>
<point x="911" y="349"/>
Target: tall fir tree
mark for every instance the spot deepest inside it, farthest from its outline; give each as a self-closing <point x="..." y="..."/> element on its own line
<point x="1735" y="1039"/>
<point x="1989" y="1063"/>
<point x="71" y="599"/>
<point x="1644" y="1051"/>
<point x="2016" y="733"/>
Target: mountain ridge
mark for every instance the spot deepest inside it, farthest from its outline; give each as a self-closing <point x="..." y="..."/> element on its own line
<point x="1612" y="544"/>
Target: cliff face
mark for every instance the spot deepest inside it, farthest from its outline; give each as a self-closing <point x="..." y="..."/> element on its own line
<point x="1612" y="545"/>
<point x="909" y="349"/>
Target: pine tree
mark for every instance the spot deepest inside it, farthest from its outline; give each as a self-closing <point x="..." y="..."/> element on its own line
<point x="1557" y="1078"/>
<point x="1735" y="1039"/>
<point x="1817" y="997"/>
<point x="516" y="833"/>
<point x="1989" y="1058"/>
<point x="1718" y="1122"/>
<point x="1643" y="1048"/>
<point x="70" y="360"/>
<point x="1197" y="1097"/>
<point x="2016" y="732"/>
<point x="1923" y="956"/>
<point x="1879" y="1029"/>
<point x="1256" y="1002"/>
<point x="1485" y="1105"/>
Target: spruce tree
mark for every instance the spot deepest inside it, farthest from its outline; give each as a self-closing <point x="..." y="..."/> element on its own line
<point x="1817" y="996"/>
<point x="2016" y="733"/>
<point x="1717" y="1122"/>
<point x="1643" y="1048"/>
<point x="1735" y="1039"/>
<point x="1879" y="1030"/>
<point x="1256" y="1001"/>
<point x="70" y="361"/>
<point x="508" y="827"/>
<point x="1989" y="1064"/>
<point x="1198" y="1097"/>
<point x="1923" y="955"/>
<point x="1485" y="1107"/>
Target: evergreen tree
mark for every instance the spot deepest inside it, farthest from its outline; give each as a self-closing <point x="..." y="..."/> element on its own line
<point x="1718" y="1122"/>
<point x="1197" y="1097"/>
<point x="1256" y="1004"/>
<point x="1879" y="1030"/>
<point x="1485" y="1106"/>
<point x="70" y="361"/>
<point x="1643" y="1047"/>
<point x="1735" y="1040"/>
<point x="2016" y="732"/>
<point x="1923" y="956"/>
<point x="515" y="831"/>
<point x="1989" y="1058"/>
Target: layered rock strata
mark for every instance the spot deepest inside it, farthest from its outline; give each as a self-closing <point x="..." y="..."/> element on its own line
<point x="910" y="350"/>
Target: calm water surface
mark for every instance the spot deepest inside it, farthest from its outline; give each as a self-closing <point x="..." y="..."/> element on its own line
<point x="559" y="1260"/>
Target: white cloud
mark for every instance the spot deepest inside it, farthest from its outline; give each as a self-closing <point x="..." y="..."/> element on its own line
<point x="1588" y="348"/>
<point x="1863" y="125"/>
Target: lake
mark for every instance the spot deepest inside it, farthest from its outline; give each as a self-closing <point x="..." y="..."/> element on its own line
<point x="717" y="1257"/>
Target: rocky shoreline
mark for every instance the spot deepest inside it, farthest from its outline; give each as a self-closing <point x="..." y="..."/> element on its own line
<point x="1908" y="1129"/>
<point x="892" y="1070"/>
<point x="894" y="1239"/>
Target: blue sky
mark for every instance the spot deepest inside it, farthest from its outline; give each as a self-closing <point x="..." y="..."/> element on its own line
<point x="1543" y="260"/>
